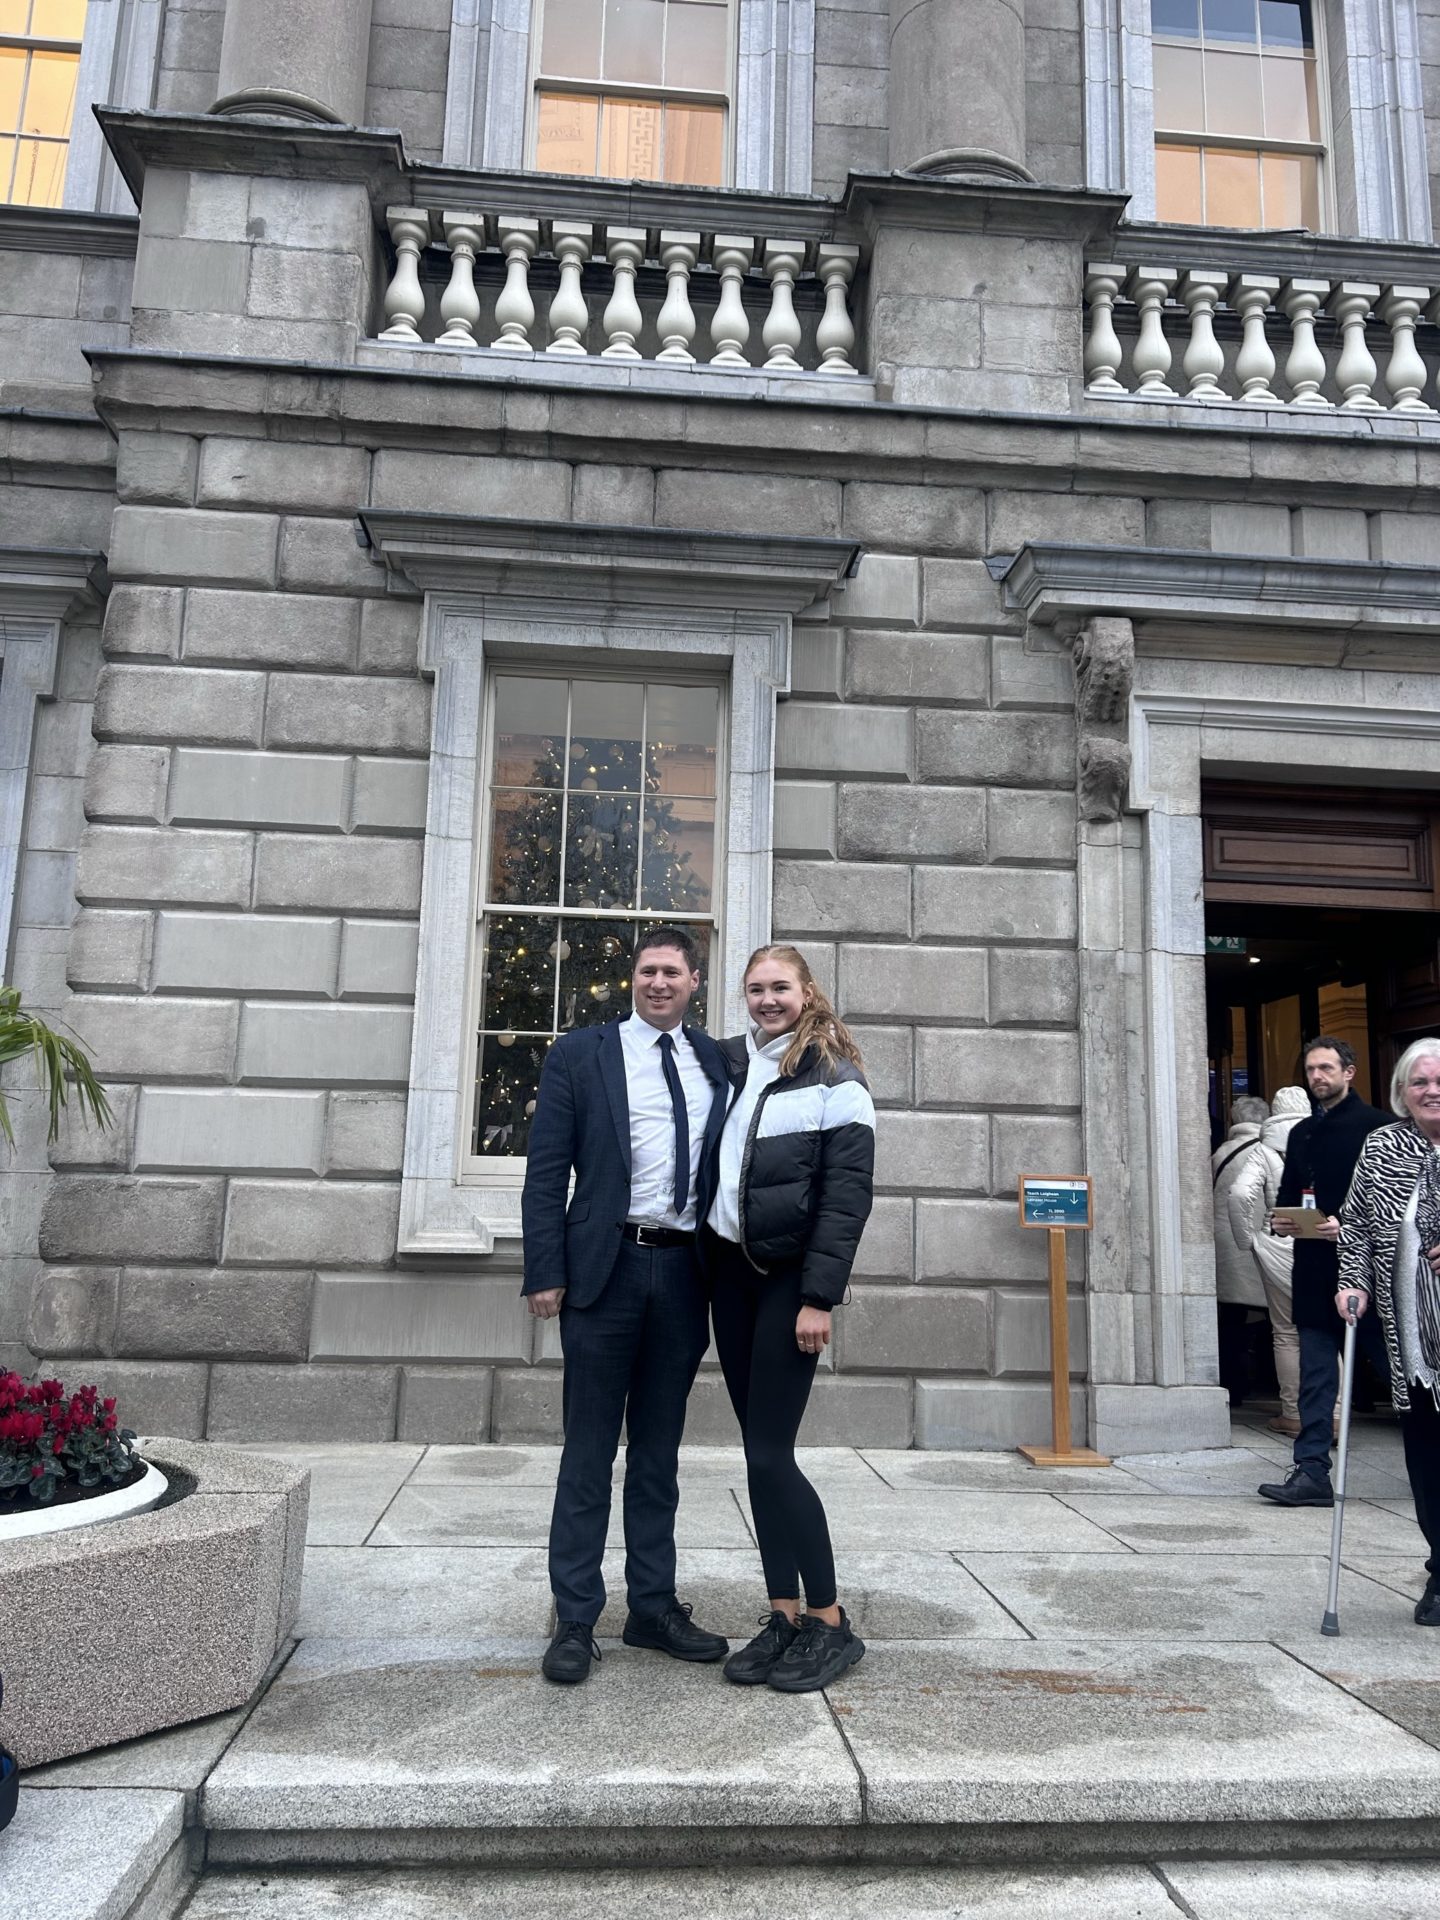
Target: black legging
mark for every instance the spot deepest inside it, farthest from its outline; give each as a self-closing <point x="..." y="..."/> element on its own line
<point x="769" y="1380"/>
<point x="1420" y="1429"/>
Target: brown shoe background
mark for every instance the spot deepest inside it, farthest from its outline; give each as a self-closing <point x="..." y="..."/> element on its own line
<point x="1282" y="1423"/>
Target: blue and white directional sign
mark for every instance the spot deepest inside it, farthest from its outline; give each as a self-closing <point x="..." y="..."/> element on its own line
<point x="1054" y="1200"/>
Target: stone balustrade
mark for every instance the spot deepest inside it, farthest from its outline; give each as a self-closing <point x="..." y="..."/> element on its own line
<point x="542" y="285"/>
<point x="1260" y="339"/>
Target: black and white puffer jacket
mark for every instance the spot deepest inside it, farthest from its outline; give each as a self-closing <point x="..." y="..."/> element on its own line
<point x="807" y="1169"/>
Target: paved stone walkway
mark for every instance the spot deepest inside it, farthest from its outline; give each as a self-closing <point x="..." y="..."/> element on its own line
<point x="1116" y="1663"/>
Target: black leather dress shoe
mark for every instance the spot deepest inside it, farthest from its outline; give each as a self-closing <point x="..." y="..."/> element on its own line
<point x="1427" y="1609"/>
<point x="674" y="1632"/>
<point x="570" y="1655"/>
<point x="1298" y="1489"/>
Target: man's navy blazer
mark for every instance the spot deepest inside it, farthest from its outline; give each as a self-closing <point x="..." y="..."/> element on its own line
<point x="582" y="1120"/>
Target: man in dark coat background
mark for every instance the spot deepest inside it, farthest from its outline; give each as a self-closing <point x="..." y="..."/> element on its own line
<point x="634" y="1109"/>
<point x="1320" y="1160"/>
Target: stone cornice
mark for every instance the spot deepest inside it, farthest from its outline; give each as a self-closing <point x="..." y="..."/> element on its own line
<point x="879" y="200"/>
<point x="1061" y="585"/>
<point x="606" y="565"/>
<point x="49" y="583"/>
<point x="1287" y="256"/>
<point x="64" y="230"/>
<point x="375" y="159"/>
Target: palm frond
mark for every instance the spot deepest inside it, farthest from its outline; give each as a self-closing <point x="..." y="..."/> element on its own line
<point x="59" y="1060"/>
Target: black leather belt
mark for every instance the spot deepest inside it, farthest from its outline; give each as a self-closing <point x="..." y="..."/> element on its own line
<point x="656" y="1236"/>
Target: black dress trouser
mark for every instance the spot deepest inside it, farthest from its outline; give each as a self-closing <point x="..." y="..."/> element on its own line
<point x="769" y="1379"/>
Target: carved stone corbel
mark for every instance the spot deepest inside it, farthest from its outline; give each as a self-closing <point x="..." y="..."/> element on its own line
<point x="1104" y="675"/>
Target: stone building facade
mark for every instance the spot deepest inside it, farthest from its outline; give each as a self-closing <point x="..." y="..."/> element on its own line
<point x="995" y="520"/>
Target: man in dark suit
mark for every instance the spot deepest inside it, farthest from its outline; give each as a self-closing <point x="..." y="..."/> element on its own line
<point x="1320" y="1158"/>
<point x="634" y="1108"/>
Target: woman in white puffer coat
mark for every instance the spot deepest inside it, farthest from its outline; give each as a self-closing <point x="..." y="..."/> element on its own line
<point x="1251" y="1198"/>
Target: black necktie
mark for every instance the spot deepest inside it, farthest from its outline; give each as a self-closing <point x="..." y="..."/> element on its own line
<point x="682" y="1122"/>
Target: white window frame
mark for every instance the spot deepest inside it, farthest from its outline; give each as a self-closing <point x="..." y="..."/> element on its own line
<point x="1374" y="116"/>
<point x="770" y="132"/>
<point x="504" y="1170"/>
<point x="119" y="62"/>
<point x="579" y="597"/>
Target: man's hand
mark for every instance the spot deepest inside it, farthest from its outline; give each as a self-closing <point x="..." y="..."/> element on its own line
<point x="1330" y="1230"/>
<point x="1350" y="1303"/>
<point x="1282" y="1229"/>
<point x="545" y="1306"/>
<point x="812" y="1329"/>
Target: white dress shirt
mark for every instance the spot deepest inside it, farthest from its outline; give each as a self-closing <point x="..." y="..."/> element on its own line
<point x="652" y="1123"/>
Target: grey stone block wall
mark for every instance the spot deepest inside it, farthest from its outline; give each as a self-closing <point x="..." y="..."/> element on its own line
<point x="409" y="55"/>
<point x="53" y="305"/>
<point x="852" y="74"/>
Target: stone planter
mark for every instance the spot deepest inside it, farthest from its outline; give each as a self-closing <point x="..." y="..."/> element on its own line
<point x="117" y="1504"/>
<point x="164" y="1616"/>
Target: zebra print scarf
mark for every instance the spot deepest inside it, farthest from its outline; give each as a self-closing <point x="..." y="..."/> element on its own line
<point x="1427" y="1283"/>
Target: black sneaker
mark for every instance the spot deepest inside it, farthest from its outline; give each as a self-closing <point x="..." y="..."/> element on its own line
<point x="569" y="1656"/>
<point x="1427" y="1608"/>
<point x="1299" y="1489"/>
<point x="816" y="1656"/>
<point x="753" y="1665"/>
<point x="674" y="1632"/>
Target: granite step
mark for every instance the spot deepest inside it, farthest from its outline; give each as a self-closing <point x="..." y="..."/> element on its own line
<point x="457" y="1753"/>
<point x="94" y="1854"/>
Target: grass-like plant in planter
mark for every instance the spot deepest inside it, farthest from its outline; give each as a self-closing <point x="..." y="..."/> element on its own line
<point x="56" y="1056"/>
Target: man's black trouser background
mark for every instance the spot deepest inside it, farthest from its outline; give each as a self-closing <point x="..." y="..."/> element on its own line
<point x="1320" y="1348"/>
<point x="630" y="1360"/>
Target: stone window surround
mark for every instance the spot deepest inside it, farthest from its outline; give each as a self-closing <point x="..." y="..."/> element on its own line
<point x="119" y="62"/>
<point x="1379" y="181"/>
<point x="38" y="589"/>
<point x="772" y="107"/>
<point x="581" y="595"/>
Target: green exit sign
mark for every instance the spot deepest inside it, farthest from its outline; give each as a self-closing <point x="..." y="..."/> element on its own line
<point x="1224" y="943"/>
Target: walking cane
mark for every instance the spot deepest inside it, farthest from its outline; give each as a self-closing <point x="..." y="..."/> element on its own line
<point x="1331" y="1623"/>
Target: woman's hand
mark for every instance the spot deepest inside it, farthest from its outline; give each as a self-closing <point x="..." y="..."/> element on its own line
<point x="1432" y="1257"/>
<point x="812" y="1329"/>
<point x="1350" y="1302"/>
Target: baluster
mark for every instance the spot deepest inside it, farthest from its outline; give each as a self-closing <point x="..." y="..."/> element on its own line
<point x="622" y="319"/>
<point x="1204" y="362"/>
<point x="1103" y="352"/>
<point x="675" y="322"/>
<point x="1251" y="296"/>
<point x="1432" y="313"/>
<point x="1148" y="288"/>
<point x="835" y="335"/>
<point x="1305" y="364"/>
<point x="570" y="242"/>
<point x="1357" y="372"/>
<point x="460" y="304"/>
<point x="1405" y="374"/>
<point x="404" y="298"/>
<point x="729" y="325"/>
<point x="515" y="310"/>
<point x="781" y="331"/>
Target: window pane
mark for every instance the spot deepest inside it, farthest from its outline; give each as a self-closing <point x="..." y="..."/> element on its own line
<point x="56" y="20"/>
<point x="634" y="41"/>
<point x="695" y="145"/>
<point x="1232" y="189"/>
<point x="1232" y="93"/>
<point x="529" y="732"/>
<point x="681" y="727"/>
<point x="630" y="139"/>
<point x="14" y="16"/>
<point x="1177" y="185"/>
<point x="525" y="849"/>
<point x="595" y="971"/>
<point x="565" y="133"/>
<point x="517" y="973"/>
<point x="40" y="173"/>
<point x="50" y="93"/>
<point x="1286" y="23"/>
<point x="506" y="1085"/>
<point x="606" y="720"/>
<point x="679" y="855"/>
<point x="1179" y="98"/>
<point x="1292" y="190"/>
<point x="1292" y="111"/>
<point x="571" y="43"/>
<point x="696" y="35"/>
<point x="1229" y="20"/>
<point x="601" y="850"/>
<point x="1180" y="19"/>
<point x="12" y="86"/>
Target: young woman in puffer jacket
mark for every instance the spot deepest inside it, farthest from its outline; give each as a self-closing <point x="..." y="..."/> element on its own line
<point x="792" y="1195"/>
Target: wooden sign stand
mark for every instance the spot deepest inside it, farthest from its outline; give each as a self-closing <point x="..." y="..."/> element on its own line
<point x="1046" y="1200"/>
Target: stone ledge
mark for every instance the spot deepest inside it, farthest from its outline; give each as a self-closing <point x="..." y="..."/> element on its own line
<point x="117" y="1630"/>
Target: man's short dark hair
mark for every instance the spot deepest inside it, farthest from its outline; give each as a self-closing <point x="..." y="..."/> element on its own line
<point x="1321" y="1041"/>
<point x="668" y="936"/>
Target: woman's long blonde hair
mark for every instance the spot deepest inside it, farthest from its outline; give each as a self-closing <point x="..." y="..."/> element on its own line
<point x="819" y="1025"/>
